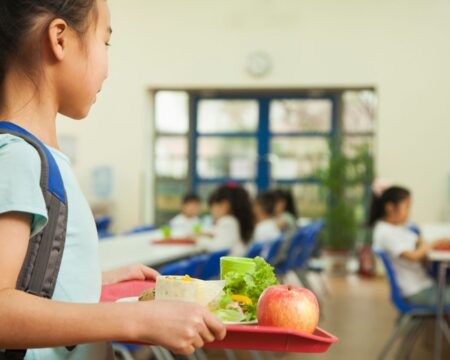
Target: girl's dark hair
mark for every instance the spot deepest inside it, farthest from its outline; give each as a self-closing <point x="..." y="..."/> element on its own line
<point x="23" y="22"/>
<point x="288" y="198"/>
<point x="267" y="200"/>
<point x="393" y="195"/>
<point x="240" y="207"/>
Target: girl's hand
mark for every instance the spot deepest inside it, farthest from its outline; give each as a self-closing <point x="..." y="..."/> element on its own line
<point x="133" y="272"/>
<point x="182" y="326"/>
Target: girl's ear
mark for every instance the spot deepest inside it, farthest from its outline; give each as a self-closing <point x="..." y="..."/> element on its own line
<point x="58" y="34"/>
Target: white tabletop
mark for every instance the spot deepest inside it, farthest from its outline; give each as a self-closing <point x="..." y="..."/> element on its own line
<point x="437" y="255"/>
<point x="132" y="249"/>
<point x="435" y="231"/>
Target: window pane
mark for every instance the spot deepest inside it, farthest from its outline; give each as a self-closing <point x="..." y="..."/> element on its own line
<point x="297" y="157"/>
<point x="357" y="146"/>
<point x="300" y="115"/>
<point x="360" y="151"/>
<point x="226" y="157"/>
<point x="169" y="193"/>
<point x="171" y="156"/>
<point x="172" y="112"/>
<point x="359" y="111"/>
<point x="310" y="200"/>
<point x="221" y="116"/>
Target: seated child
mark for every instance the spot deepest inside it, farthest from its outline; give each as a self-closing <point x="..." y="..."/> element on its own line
<point x="285" y="211"/>
<point x="406" y="250"/>
<point x="266" y="226"/>
<point x="233" y="228"/>
<point x="188" y="219"/>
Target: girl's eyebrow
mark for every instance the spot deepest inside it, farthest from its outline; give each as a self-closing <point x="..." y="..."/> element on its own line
<point x="110" y="30"/>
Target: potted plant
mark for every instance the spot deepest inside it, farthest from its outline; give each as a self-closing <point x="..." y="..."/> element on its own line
<point x="342" y="225"/>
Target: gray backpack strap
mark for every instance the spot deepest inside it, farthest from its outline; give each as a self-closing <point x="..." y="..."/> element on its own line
<point x="40" y="269"/>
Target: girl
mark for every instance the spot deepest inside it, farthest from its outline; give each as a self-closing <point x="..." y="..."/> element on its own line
<point x="231" y="209"/>
<point x="285" y="211"/>
<point x="53" y="59"/>
<point x="389" y="215"/>
<point x="266" y="227"/>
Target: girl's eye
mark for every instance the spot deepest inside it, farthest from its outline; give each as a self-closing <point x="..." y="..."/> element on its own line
<point x="107" y="44"/>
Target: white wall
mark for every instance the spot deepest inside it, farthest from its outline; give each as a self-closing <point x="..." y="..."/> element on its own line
<point x="399" y="46"/>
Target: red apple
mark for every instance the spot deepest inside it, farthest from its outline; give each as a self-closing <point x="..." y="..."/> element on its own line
<point x="290" y="307"/>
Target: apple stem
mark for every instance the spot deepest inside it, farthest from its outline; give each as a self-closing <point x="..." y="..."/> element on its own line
<point x="289" y="287"/>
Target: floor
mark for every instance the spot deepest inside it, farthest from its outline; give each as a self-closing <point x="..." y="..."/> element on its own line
<point x="359" y="313"/>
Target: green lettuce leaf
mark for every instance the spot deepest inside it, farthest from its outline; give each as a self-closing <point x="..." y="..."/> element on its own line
<point x="251" y="284"/>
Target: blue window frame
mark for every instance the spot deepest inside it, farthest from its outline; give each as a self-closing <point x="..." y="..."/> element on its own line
<point x="263" y="137"/>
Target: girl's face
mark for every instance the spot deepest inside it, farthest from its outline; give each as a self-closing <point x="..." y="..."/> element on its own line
<point x="280" y="207"/>
<point x="398" y="213"/>
<point x="85" y="66"/>
<point x="220" y="209"/>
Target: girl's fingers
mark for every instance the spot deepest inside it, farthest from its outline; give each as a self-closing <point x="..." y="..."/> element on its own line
<point x="198" y="342"/>
<point x="215" y="326"/>
<point x="149" y="273"/>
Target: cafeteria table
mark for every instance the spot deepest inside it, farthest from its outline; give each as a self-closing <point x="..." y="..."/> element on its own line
<point x="123" y="250"/>
<point x="443" y="260"/>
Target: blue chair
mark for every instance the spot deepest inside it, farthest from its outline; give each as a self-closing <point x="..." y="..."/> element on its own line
<point x="411" y="316"/>
<point x="141" y="229"/>
<point x="105" y="234"/>
<point x="271" y="252"/>
<point x="301" y="248"/>
<point x="102" y="223"/>
<point x="211" y="267"/>
<point x="254" y="250"/>
<point x="191" y="267"/>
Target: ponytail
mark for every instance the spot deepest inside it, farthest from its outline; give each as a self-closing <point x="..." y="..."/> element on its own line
<point x="393" y="195"/>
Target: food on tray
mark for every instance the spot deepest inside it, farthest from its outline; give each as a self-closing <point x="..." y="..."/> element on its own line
<point x="185" y="288"/>
<point x="290" y="307"/>
<point x="147" y="295"/>
<point x="246" y="279"/>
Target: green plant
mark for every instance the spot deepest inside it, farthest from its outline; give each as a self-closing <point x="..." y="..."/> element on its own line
<point x="342" y="173"/>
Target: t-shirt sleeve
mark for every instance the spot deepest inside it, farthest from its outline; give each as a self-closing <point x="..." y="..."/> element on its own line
<point x="20" y="191"/>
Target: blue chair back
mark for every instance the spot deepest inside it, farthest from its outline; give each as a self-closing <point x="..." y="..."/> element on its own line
<point x="191" y="267"/>
<point x="254" y="250"/>
<point x="211" y="266"/>
<point x="399" y="302"/>
<point x="270" y="251"/>
<point x="141" y="229"/>
<point x="105" y="234"/>
<point x="307" y="245"/>
<point x="102" y="223"/>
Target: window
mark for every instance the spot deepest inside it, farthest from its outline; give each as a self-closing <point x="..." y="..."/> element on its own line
<point x="261" y="140"/>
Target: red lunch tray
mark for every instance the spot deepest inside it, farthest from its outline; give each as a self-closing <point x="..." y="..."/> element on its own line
<point x="245" y="337"/>
<point x="442" y="248"/>
<point x="174" y="242"/>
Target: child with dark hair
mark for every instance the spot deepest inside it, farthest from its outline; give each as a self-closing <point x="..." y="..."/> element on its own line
<point x="188" y="219"/>
<point x="406" y="250"/>
<point x="285" y="211"/>
<point x="231" y="209"/>
<point x="266" y="226"/>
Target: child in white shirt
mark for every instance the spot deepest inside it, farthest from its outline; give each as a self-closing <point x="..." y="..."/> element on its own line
<point x="406" y="250"/>
<point x="233" y="219"/>
<point x="188" y="219"/>
<point x="266" y="226"/>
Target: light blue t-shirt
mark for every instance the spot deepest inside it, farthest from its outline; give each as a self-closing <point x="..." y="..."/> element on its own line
<point x="79" y="278"/>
